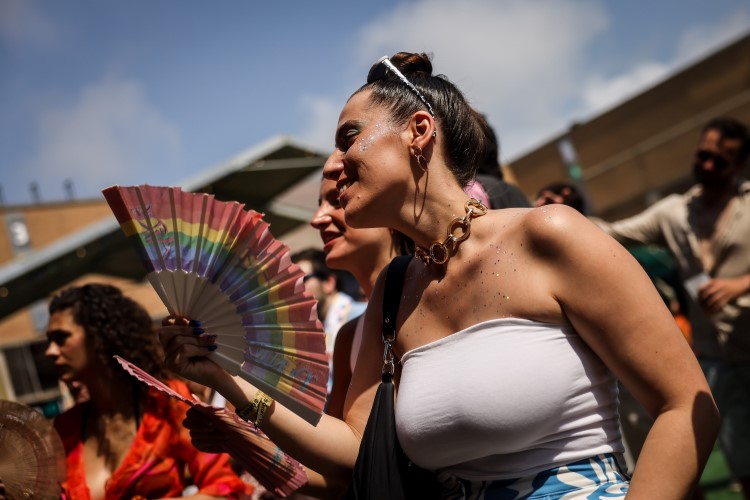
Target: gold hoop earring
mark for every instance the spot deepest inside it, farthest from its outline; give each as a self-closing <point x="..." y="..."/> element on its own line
<point x="418" y="156"/>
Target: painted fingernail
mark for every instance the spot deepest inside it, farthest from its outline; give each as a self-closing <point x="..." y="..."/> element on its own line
<point x="213" y="347"/>
<point x="198" y="331"/>
<point x="194" y="322"/>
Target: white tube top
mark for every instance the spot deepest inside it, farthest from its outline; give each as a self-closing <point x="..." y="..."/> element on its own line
<point x="505" y="398"/>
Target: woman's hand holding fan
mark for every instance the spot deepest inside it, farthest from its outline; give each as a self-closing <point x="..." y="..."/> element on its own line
<point x="186" y="353"/>
<point x="203" y="433"/>
<point x="218" y="431"/>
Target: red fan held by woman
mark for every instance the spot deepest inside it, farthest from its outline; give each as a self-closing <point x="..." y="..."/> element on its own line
<point x="217" y="262"/>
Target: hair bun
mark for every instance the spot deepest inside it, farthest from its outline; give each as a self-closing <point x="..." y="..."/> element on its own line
<point x="413" y="63"/>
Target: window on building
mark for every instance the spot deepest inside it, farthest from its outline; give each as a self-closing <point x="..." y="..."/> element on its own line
<point x="32" y="375"/>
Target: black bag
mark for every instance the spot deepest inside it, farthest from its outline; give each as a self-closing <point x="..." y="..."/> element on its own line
<point x="382" y="470"/>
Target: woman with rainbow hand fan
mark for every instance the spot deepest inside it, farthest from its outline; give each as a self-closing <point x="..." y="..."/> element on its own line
<point x="513" y="326"/>
<point x="364" y="253"/>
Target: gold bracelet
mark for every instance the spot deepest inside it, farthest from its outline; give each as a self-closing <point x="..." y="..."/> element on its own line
<point x="262" y="402"/>
<point x="255" y="409"/>
<point x="246" y="412"/>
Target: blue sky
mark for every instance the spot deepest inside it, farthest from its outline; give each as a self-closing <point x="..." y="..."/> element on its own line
<point x="143" y="91"/>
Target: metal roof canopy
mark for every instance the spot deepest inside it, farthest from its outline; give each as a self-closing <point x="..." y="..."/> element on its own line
<point x="255" y="177"/>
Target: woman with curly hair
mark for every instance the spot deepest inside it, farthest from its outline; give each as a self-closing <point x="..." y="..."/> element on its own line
<point x="127" y="440"/>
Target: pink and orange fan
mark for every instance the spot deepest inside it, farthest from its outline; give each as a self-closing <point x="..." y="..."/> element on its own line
<point x="217" y="262"/>
<point x="275" y="470"/>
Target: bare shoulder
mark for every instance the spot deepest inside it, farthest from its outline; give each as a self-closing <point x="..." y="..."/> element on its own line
<point x="372" y="319"/>
<point x="344" y="339"/>
<point x="347" y="329"/>
<point x="375" y="302"/>
<point x="575" y="254"/>
<point x="553" y="230"/>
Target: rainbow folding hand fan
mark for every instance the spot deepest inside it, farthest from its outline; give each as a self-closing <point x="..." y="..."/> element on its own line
<point x="275" y="470"/>
<point x="217" y="262"/>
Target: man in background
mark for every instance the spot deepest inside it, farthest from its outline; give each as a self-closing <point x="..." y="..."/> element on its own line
<point x="562" y="192"/>
<point x="707" y="229"/>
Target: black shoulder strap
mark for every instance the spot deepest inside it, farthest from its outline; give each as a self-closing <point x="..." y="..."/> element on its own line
<point x="394" y="283"/>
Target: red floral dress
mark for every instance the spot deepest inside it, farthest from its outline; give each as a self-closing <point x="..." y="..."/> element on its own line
<point x="155" y="466"/>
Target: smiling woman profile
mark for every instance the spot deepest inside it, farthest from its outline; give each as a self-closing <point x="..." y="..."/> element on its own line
<point x="513" y="325"/>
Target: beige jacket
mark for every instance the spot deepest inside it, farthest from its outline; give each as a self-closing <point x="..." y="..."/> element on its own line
<point x="725" y="335"/>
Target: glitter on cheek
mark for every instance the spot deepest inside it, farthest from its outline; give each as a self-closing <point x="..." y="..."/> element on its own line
<point x="366" y="142"/>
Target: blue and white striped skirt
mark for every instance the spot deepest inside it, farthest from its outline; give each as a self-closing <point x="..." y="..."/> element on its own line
<point x="593" y="478"/>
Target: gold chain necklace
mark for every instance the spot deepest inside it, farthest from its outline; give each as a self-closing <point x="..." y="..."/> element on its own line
<point x="439" y="253"/>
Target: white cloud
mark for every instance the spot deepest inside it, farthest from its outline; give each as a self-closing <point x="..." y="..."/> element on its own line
<point x="110" y="134"/>
<point x="517" y="61"/>
<point x="323" y="114"/>
<point x="601" y="93"/>
<point x="696" y="42"/>
<point x="525" y="64"/>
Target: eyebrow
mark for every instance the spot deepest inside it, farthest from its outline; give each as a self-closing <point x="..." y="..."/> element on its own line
<point x="734" y="148"/>
<point x="54" y="333"/>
